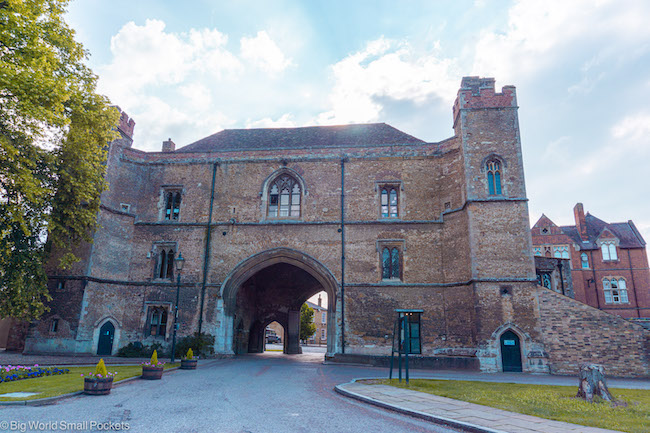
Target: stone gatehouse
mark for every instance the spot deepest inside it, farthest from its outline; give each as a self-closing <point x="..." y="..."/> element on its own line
<point x="378" y="219"/>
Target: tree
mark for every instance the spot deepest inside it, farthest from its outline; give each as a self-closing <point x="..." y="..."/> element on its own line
<point x="54" y="128"/>
<point x="307" y="327"/>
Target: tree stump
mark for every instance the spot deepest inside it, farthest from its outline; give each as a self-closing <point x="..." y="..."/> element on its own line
<point x="592" y="382"/>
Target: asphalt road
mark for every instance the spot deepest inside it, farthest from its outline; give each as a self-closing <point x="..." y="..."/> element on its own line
<point x="255" y="393"/>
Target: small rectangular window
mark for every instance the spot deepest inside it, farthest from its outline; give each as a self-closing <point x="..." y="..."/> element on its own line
<point x="324" y="318"/>
<point x="125" y="207"/>
<point x="54" y="327"/>
<point x="322" y="334"/>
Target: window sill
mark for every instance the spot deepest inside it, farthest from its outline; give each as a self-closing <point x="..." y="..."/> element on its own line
<point x="391" y="281"/>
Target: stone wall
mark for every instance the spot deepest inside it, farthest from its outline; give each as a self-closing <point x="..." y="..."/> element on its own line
<point x="573" y="333"/>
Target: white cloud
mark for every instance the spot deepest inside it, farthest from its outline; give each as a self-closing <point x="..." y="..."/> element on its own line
<point x="387" y="69"/>
<point x="635" y="128"/>
<point x="539" y="33"/>
<point x="264" y="53"/>
<point x="285" y="121"/>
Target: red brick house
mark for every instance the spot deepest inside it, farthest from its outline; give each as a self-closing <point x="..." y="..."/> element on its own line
<point x="609" y="264"/>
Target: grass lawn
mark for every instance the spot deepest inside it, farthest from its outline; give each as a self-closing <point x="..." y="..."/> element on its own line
<point x="50" y="386"/>
<point x="550" y="402"/>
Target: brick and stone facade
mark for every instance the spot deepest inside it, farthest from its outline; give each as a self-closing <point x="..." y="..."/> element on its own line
<point x="609" y="262"/>
<point x="376" y="218"/>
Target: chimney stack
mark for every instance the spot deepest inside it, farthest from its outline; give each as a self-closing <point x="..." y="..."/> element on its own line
<point x="319" y="301"/>
<point x="581" y="222"/>
<point x="168" y="146"/>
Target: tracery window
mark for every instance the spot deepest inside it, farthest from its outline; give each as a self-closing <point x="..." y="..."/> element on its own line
<point x="157" y="321"/>
<point x="389" y="201"/>
<point x="165" y="263"/>
<point x="584" y="259"/>
<point x="493" y="168"/>
<point x="284" y="197"/>
<point x="615" y="290"/>
<point x="561" y="252"/>
<point x="390" y="264"/>
<point x="609" y="251"/>
<point x="172" y="205"/>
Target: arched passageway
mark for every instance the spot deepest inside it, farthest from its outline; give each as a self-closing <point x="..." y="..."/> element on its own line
<point x="271" y="287"/>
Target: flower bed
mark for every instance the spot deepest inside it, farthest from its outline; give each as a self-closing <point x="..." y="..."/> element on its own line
<point x="10" y="373"/>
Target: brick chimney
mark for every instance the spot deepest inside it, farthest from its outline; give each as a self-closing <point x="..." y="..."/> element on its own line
<point x="581" y="222"/>
<point x="168" y="146"/>
<point x="319" y="301"/>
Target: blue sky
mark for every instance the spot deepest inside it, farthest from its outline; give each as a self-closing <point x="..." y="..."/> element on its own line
<point x="189" y="69"/>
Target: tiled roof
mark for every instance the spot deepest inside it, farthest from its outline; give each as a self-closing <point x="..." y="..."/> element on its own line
<point x="316" y="307"/>
<point x="627" y="233"/>
<point x="370" y="134"/>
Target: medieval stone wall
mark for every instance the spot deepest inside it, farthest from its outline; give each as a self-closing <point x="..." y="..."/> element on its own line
<point x="574" y="333"/>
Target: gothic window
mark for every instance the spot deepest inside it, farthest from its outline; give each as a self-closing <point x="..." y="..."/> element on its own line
<point x="284" y="197"/>
<point x="584" y="260"/>
<point x="390" y="264"/>
<point x="389" y="197"/>
<point x="561" y="252"/>
<point x="493" y="168"/>
<point x="537" y="251"/>
<point x="157" y="321"/>
<point x="615" y="291"/>
<point x="165" y="263"/>
<point x="172" y="205"/>
<point x="546" y="281"/>
<point x="609" y="251"/>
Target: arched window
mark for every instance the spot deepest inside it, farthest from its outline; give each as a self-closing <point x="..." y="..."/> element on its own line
<point x="493" y="168"/>
<point x="390" y="264"/>
<point x="546" y="281"/>
<point x="609" y="251"/>
<point x="165" y="265"/>
<point x="615" y="291"/>
<point x="284" y="197"/>
<point x="172" y="205"/>
<point x="389" y="202"/>
<point x="584" y="260"/>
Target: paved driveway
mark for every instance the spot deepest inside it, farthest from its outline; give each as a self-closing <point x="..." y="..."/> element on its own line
<point x="254" y="393"/>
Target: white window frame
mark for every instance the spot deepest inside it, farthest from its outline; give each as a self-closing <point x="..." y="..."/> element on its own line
<point x="324" y="317"/>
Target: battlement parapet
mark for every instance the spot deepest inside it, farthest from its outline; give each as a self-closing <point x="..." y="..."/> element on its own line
<point x="477" y="93"/>
<point x="126" y="125"/>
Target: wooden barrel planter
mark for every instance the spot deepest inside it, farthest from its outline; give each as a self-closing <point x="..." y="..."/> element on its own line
<point x="152" y="373"/>
<point x="188" y="364"/>
<point x="98" y="385"/>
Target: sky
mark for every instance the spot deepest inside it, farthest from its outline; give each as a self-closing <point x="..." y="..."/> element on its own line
<point x="185" y="70"/>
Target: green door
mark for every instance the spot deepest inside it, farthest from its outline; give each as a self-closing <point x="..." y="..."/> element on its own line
<point x="510" y="351"/>
<point x="106" y="334"/>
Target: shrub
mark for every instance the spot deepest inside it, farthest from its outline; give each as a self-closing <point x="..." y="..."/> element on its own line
<point x="153" y="362"/>
<point x="138" y="350"/>
<point x="202" y="345"/>
<point x="100" y="370"/>
<point x="189" y="354"/>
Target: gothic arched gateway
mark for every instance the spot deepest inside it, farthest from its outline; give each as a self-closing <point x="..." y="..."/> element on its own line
<point x="272" y="286"/>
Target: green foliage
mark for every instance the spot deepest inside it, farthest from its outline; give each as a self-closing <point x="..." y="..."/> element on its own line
<point x="53" y="132"/>
<point x="154" y="358"/>
<point x="203" y="345"/>
<point x="631" y="413"/>
<point x="138" y="350"/>
<point x="189" y="354"/>
<point x="307" y="326"/>
<point x="100" y="370"/>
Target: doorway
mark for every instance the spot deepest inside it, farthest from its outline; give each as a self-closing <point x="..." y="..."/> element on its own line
<point x="510" y="352"/>
<point x="106" y="335"/>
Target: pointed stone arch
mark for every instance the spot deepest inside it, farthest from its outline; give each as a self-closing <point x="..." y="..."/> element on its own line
<point x="257" y="262"/>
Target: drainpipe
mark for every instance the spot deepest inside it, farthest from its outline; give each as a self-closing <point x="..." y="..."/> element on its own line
<point x="636" y="301"/>
<point x="593" y="273"/>
<point x="206" y="254"/>
<point x="343" y="255"/>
